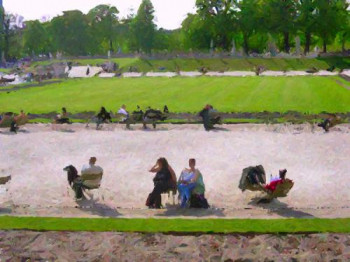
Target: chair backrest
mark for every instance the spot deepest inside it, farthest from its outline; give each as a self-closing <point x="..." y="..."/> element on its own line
<point x="91" y="176"/>
<point x="22" y="120"/>
<point x="120" y="116"/>
<point x="282" y="189"/>
<point x="6" y="121"/>
<point x="93" y="181"/>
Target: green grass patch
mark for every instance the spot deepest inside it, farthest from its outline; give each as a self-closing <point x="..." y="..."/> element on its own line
<point x="177" y="225"/>
<point x="305" y="94"/>
<point x="5" y="70"/>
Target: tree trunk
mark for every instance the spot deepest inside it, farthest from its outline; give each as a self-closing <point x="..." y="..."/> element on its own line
<point x="111" y="45"/>
<point x="324" y="46"/>
<point x="246" y="44"/>
<point x="307" y="42"/>
<point x="343" y="43"/>
<point x="286" y="42"/>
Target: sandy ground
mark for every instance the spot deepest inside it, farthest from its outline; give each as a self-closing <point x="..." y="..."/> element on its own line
<point x="318" y="163"/>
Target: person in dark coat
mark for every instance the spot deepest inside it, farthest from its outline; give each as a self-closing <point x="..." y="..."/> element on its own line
<point x="205" y="116"/>
<point x="103" y="116"/>
<point x="164" y="180"/>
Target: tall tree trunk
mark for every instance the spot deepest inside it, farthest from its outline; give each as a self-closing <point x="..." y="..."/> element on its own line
<point x="307" y="42"/>
<point x="7" y="39"/>
<point x="343" y="43"/>
<point x="246" y="44"/>
<point x="324" y="45"/>
<point x="286" y="42"/>
<point x="111" y="45"/>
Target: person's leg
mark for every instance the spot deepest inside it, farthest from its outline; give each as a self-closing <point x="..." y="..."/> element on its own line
<point x="155" y="197"/>
<point x="78" y="189"/>
<point x="188" y="192"/>
<point x="181" y="188"/>
<point x="13" y="127"/>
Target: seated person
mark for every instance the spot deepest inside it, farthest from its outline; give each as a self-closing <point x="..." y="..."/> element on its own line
<point x="271" y="187"/>
<point x="330" y="122"/>
<point x="138" y="114"/>
<point x="164" y="180"/>
<point x="103" y="116"/>
<point x="256" y="175"/>
<point x="166" y="109"/>
<point x="21" y="119"/>
<point x="205" y="116"/>
<point x="123" y="111"/>
<point x="198" y="199"/>
<point x="90" y="178"/>
<point x="63" y="117"/>
<point x="187" y="182"/>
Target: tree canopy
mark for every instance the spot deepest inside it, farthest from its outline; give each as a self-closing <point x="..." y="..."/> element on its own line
<point x="223" y="25"/>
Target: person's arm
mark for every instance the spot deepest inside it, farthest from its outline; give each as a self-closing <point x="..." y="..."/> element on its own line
<point x="181" y="180"/>
<point x="154" y="169"/>
<point x="196" y="175"/>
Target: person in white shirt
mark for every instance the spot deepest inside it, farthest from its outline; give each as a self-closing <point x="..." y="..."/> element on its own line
<point x="91" y="176"/>
<point x="123" y="111"/>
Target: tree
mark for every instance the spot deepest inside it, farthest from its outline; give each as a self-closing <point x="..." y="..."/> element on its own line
<point x="220" y="15"/>
<point x="70" y="33"/>
<point x="249" y="20"/>
<point x="196" y="33"/>
<point x="35" y="38"/>
<point x="306" y="20"/>
<point x="142" y="27"/>
<point x="345" y="33"/>
<point x="330" y="15"/>
<point x="104" y="20"/>
<point x="282" y="18"/>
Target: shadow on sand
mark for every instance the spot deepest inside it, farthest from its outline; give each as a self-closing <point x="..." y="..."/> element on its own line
<point x="5" y="211"/>
<point x="218" y="129"/>
<point x="95" y="208"/>
<point x="174" y="210"/>
<point x="280" y="209"/>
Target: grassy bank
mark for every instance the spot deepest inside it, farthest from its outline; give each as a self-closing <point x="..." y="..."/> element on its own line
<point x="214" y="64"/>
<point x="308" y="94"/>
<point x="177" y="225"/>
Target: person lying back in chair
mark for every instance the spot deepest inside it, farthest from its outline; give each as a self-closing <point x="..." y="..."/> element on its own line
<point x="91" y="176"/>
<point x="271" y="187"/>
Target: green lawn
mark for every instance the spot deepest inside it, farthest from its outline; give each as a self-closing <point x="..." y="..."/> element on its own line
<point x="215" y="64"/>
<point x="177" y="225"/>
<point x="308" y="94"/>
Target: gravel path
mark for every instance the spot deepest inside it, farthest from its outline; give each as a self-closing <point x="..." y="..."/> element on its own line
<point x="113" y="246"/>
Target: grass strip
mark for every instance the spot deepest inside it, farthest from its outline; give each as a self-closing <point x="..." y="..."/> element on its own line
<point x="151" y="225"/>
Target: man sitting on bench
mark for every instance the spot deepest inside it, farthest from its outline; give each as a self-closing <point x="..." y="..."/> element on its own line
<point x="91" y="176"/>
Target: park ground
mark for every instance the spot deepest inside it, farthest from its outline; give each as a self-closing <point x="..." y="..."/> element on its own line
<point x="315" y="160"/>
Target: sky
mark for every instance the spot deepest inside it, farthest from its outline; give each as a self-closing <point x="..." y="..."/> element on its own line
<point x="168" y="13"/>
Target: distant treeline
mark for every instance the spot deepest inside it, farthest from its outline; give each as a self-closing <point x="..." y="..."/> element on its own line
<point x="224" y="25"/>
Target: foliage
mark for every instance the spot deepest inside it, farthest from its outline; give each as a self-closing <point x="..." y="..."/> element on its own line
<point x="143" y="28"/>
<point x="70" y="33"/>
<point x="252" y="25"/>
<point x="103" y="25"/>
<point x="35" y="38"/>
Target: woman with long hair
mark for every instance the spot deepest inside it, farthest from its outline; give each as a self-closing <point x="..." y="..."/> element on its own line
<point x="164" y="180"/>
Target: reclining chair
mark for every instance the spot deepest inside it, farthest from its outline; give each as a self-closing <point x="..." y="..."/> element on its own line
<point x="280" y="191"/>
<point x="95" y="182"/>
